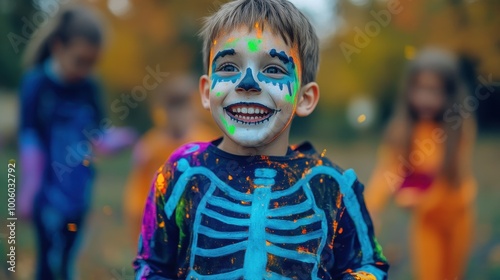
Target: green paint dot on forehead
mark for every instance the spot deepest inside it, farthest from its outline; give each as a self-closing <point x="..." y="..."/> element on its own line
<point x="218" y="94"/>
<point x="253" y="44"/>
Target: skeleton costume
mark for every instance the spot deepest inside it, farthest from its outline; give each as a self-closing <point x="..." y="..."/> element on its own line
<point x="214" y="215"/>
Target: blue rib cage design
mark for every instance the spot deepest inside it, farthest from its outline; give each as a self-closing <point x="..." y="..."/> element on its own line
<point x="255" y="241"/>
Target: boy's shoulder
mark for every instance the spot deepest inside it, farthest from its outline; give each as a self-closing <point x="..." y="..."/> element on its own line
<point x="188" y="150"/>
<point x="307" y="150"/>
<point x="185" y="153"/>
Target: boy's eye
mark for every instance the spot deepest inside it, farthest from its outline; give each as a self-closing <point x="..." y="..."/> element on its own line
<point x="228" y="68"/>
<point x="273" y="70"/>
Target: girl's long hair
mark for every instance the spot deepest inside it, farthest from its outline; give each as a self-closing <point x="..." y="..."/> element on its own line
<point x="70" y="22"/>
<point x="399" y="131"/>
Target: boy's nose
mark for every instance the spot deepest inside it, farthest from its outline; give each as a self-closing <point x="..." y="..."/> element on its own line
<point x="248" y="83"/>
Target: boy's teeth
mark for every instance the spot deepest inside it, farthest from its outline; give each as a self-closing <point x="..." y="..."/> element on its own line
<point x="251" y="110"/>
<point x="244" y="110"/>
<point x="239" y="110"/>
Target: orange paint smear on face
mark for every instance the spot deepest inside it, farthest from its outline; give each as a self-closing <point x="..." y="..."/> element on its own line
<point x="210" y="58"/>
<point x="294" y="53"/>
<point x="258" y="30"/>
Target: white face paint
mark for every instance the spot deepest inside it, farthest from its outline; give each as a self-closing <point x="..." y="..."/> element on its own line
<point x="255" y="81"/>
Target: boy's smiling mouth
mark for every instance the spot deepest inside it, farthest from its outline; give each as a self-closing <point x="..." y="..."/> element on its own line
<point x="249" y="113"/>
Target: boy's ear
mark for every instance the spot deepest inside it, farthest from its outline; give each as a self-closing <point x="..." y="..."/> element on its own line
<point x="308" y="99"/>
<point x="205" y="91"/>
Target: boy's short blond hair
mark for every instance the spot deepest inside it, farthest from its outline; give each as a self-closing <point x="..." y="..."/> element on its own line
<point x="281" y="16"/>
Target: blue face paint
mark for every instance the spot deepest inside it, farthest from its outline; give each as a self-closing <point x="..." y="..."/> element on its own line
<point x="288" y="79"/>
<point x="216" y="78"/>
<point x="248" y="82"/>
<point x="282" y="56"/>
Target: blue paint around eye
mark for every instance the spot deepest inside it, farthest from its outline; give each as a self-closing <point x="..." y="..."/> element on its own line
<point x="222" y="54"/>
<point x="288" y="79"/>
<point x="216" y="78"/>
<point x="282" y="56"/>
<point x="248" y="82"/>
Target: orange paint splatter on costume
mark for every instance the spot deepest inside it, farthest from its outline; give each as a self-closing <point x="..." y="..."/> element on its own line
<point x="341" y="230"/>
<point x="302" y="249"/>
<point x="338" y="202"/>
<point x="160" y="183"/>
<point x="230" y="177"/>
<point x="304" y="231"/>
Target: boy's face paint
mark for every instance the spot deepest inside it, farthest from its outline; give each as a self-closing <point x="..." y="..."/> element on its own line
<point x="255" y="80"/>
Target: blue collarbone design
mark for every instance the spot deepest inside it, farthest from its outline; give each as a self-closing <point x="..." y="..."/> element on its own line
<point x="256" y="241"/>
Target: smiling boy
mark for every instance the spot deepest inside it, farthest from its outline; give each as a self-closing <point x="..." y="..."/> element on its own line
<point x="248" y="205"/>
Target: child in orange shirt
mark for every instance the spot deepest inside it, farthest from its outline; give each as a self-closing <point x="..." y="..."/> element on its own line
<point x="425" y="163"/>
<point x="176" y="122"/>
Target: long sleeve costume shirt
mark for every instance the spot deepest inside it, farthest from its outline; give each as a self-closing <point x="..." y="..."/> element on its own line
<point x="214" y="215"/>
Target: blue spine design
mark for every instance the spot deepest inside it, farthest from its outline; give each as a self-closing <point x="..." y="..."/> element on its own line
<point x="257" y="240"/>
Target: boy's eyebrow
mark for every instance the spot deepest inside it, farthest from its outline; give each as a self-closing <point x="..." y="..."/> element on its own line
<point x="223" y="53"/>
<point x="281" y="56"/>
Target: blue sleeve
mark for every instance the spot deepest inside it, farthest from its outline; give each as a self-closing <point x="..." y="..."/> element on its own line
<point x="357" y="252"/>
